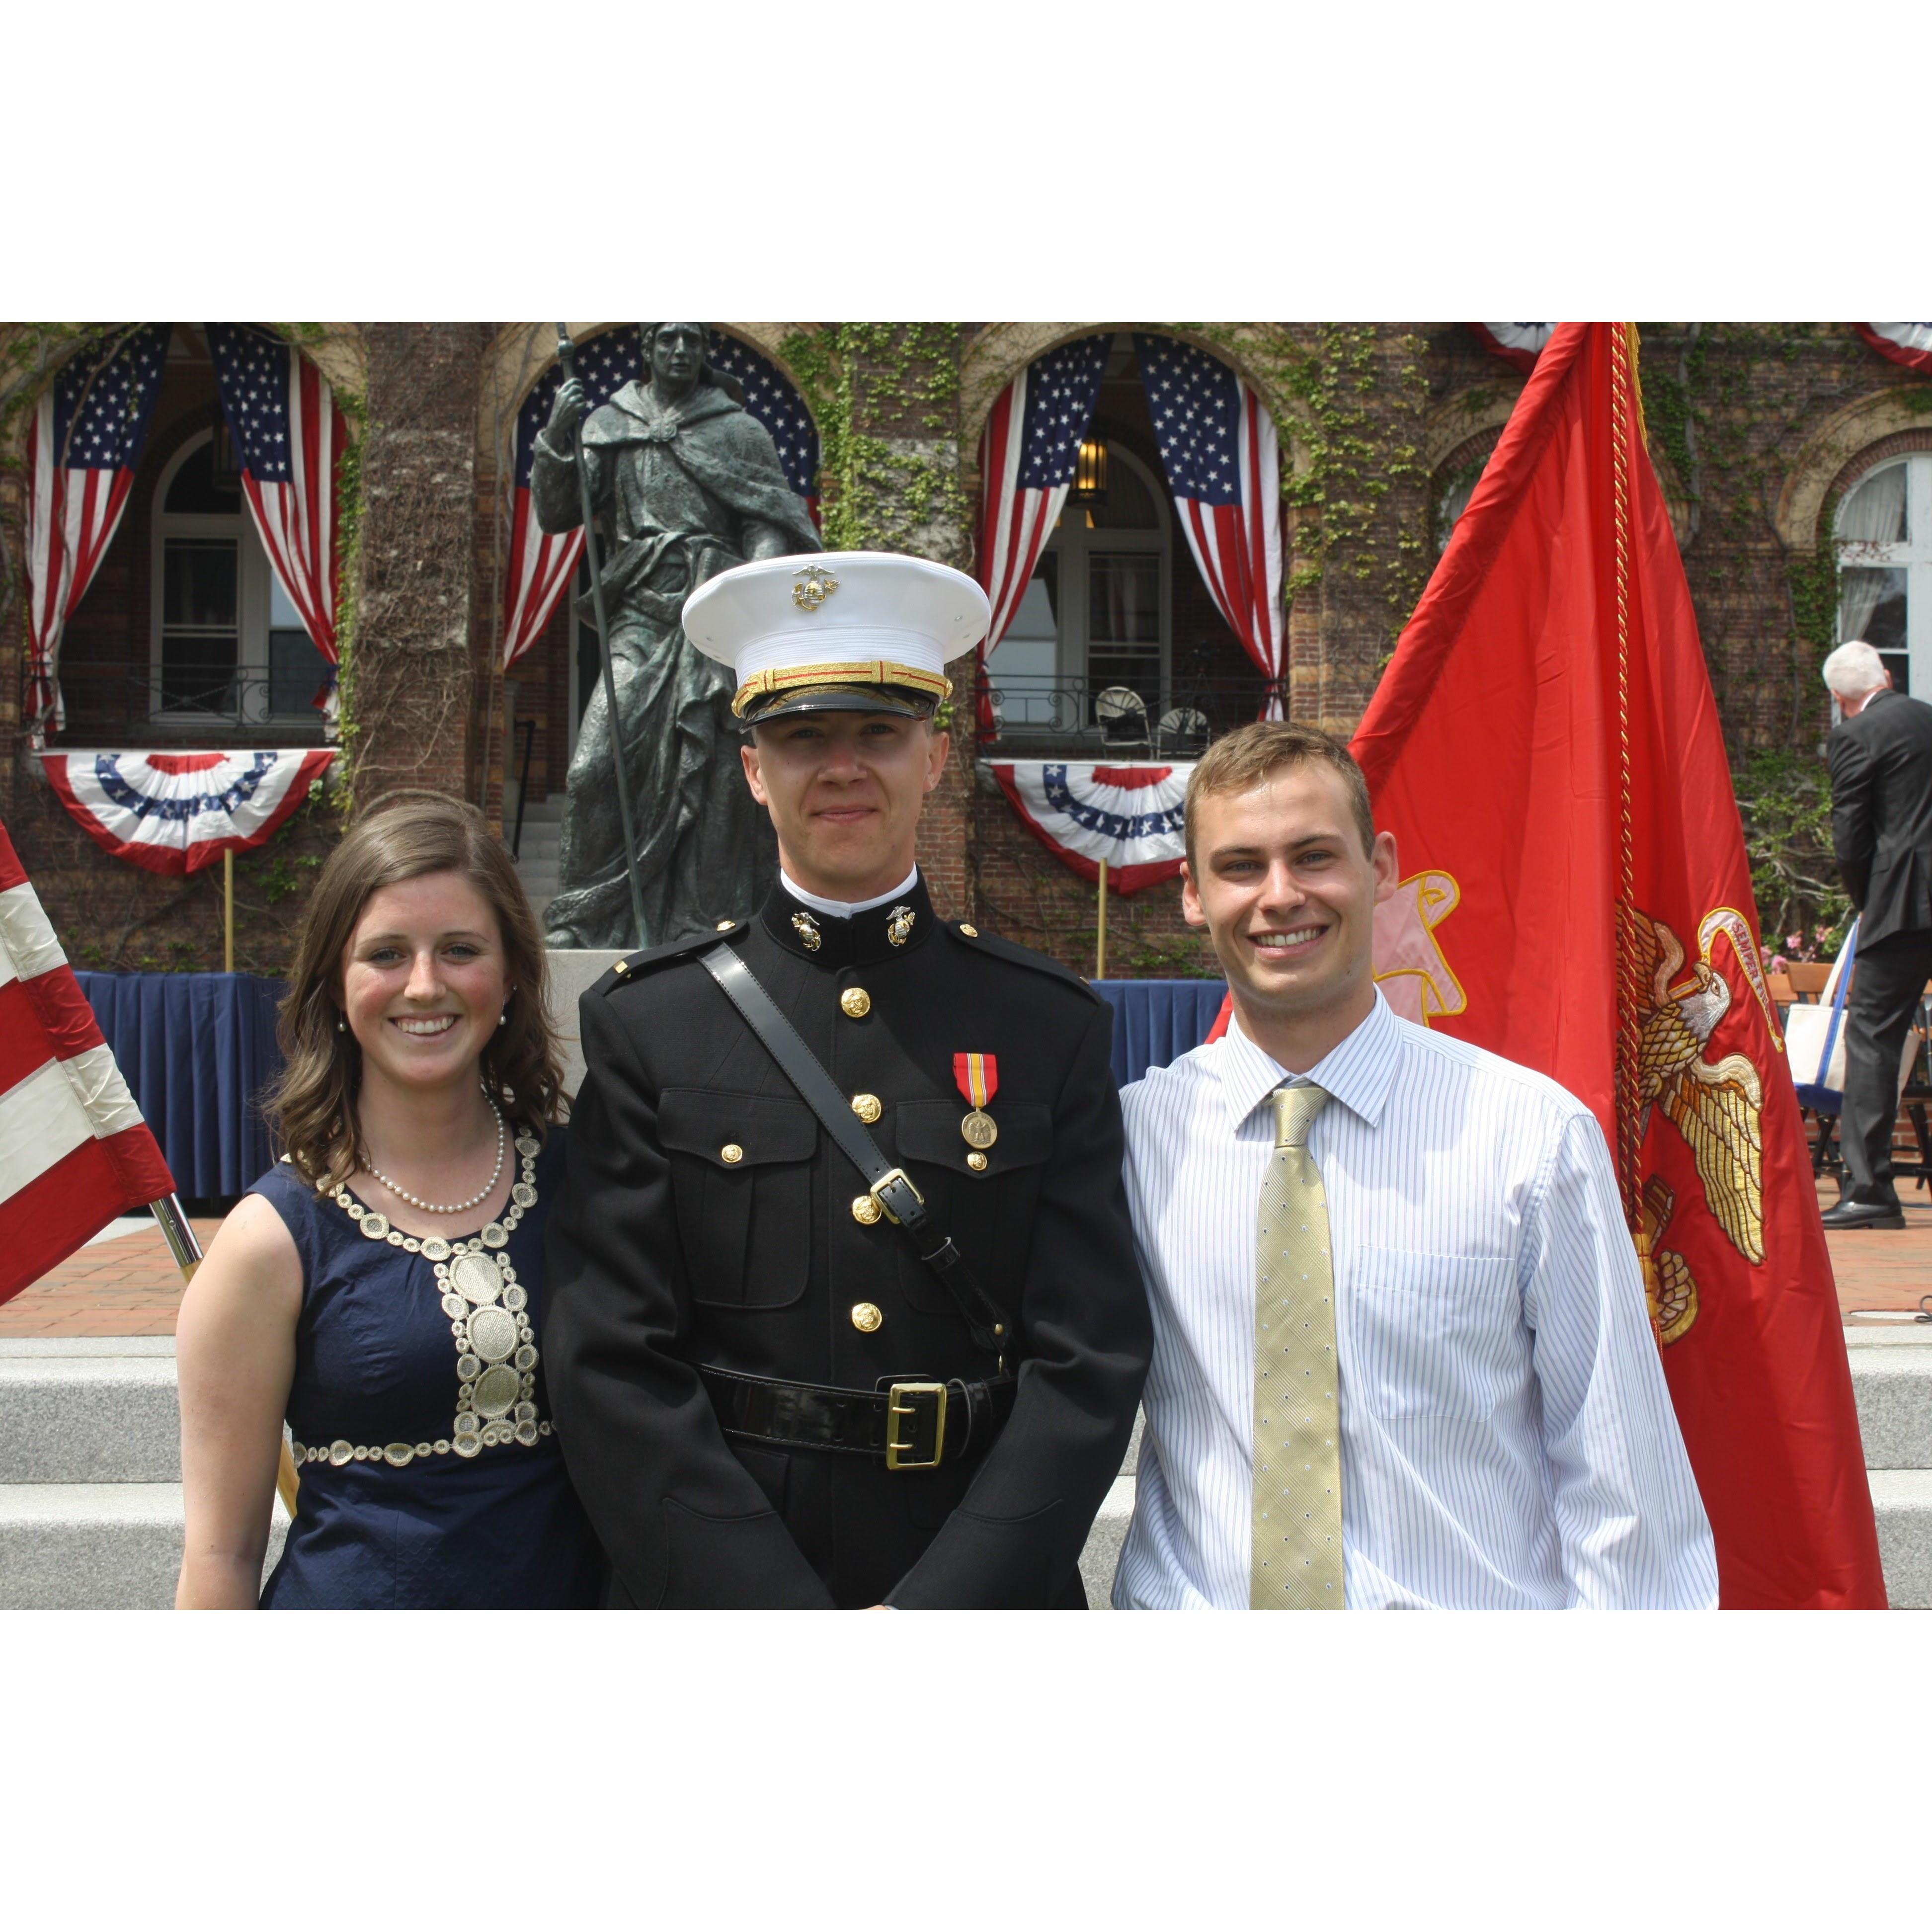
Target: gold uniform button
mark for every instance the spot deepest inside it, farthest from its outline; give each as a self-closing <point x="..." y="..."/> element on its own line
<point x="866" y="1317"/>
<point x="866" y="1106"/>
<point x="865" y="1211"/>
<point x="731" y="1154"/>
<point x="970" y="932"/>
<point x="726" y="924"/>
<point x="977" y="1162"/>
<point x="856" y="1002"/>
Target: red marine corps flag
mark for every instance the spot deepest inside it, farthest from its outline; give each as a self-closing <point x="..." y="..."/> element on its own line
<point x="1577" y="897"/>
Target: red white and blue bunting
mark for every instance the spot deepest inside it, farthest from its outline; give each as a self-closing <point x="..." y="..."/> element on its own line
<point x="178" y="812"/>
<point x="1519" y="344"/>
<point x="1907" y="343"/>
<point x="1130" y="815"/>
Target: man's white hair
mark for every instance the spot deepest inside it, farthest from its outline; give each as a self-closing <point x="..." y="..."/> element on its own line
<point x="1854" y="669"/>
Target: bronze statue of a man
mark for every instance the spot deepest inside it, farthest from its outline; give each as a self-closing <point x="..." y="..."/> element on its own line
<point x="684" y="484"/>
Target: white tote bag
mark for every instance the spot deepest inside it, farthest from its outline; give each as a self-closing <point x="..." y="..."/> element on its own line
<point x="1814" y="1039"/>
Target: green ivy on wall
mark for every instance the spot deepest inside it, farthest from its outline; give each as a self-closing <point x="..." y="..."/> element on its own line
<point x="876" y="493"/>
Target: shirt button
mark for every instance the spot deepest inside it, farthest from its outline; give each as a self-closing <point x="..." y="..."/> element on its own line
<point x="856" y="1002"/>
<point x="866" y="1106"/>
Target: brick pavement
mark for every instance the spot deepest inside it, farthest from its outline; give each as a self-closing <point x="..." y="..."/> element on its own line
<point x="129" y="1285"/>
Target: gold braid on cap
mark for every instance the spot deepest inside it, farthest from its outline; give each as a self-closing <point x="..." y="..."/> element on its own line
<point x="881" y="671"/>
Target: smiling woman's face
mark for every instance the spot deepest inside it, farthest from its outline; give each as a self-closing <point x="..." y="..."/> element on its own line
<point x="424" y="981"/>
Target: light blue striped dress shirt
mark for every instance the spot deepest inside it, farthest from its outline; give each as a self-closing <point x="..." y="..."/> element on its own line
<point x="1508" y="1440"/>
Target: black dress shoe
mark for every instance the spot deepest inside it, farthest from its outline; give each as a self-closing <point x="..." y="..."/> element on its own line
<point x="1863" y="1214"/>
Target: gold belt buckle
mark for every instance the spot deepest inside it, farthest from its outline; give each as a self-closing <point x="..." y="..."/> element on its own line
<point x="899" y="1454"/>
<point x="885" y="1180"/>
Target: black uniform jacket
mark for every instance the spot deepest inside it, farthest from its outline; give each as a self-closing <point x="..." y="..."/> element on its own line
<point x="665" y="1253"/>
<point x="1881" y="764"/>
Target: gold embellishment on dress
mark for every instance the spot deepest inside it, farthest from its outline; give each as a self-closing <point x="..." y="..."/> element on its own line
<point x="816" y="583"/>
<point x="489" y="1322"/>
<point x="807" y="929"/>
<point x="899" y="924"/>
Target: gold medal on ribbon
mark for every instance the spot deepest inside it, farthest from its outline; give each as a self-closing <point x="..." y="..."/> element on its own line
<point x="977" y="1075"/>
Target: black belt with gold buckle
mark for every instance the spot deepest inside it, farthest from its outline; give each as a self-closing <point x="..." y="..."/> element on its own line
<point x="911" y="1424"/>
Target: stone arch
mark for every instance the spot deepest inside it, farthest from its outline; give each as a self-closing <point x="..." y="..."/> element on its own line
<point x="1849" y="441"/>
<point x="523" y="351"/>
<point x="1000" y="350"/>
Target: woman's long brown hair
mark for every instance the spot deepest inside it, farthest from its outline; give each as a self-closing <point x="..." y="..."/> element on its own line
<point x="311" y="1109"/>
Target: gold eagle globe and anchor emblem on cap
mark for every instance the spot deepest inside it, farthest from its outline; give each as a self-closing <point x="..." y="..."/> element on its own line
<point x="815" y="584"/>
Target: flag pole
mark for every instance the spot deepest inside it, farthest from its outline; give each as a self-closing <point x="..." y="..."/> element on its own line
<point x="186" y="1251"/>
<point x="566" y="354"/>
<point x="1100" y="929"/>
<point x="227" y="908"/>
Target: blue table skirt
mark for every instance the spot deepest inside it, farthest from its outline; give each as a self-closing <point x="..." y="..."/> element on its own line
<point x="1156" y="1021"/>
<point x="197" y="1049"/>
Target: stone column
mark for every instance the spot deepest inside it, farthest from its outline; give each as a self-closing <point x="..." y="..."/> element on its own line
<point x="418" y="674"/>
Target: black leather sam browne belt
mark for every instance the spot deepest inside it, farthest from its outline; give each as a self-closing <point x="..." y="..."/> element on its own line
<point x="913" y="1424"/>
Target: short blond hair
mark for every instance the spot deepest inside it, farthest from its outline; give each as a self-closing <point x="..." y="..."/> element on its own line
<point x="1252" y="755"/>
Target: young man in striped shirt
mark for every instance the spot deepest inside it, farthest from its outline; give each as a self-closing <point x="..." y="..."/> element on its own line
<point x="1401" y="1354"/>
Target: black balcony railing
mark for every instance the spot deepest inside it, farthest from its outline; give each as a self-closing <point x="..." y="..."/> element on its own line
<point x="1038" y="716"/>
<point x="188" y="694"/>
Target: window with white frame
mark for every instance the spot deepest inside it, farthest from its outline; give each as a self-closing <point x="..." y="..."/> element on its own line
<point x="1884" y="538"/>
<point x="1097" y="607"/>
<point x="228" y="646"/>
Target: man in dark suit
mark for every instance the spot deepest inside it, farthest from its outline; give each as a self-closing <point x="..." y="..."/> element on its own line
<point x="1881" y="762"/>
<point x="766" y="1394"/>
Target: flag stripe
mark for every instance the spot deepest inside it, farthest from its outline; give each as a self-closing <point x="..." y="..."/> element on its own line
<point x="45" y="1017"/>
<point x="72" y="1200"/>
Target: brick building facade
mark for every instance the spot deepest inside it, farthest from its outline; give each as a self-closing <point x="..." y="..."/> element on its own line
<point x="1758" y="433"/>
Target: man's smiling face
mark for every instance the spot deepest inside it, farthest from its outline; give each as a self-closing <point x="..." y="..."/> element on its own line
<point x="1280" y="878"/>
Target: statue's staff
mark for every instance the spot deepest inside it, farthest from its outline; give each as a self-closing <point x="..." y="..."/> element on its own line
<point x="566" y="354"/>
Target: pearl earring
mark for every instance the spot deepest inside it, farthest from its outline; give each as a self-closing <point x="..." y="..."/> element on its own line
<point x="503" y="1018"/>
<point x="342" y="1026"/>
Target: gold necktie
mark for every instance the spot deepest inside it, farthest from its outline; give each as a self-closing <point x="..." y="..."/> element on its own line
<point x="1297" y="1560"/>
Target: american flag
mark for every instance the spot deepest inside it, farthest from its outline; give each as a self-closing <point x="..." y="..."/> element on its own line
<point x="1519" y="344"/>
<point x="84" y="443"/>
<point x="541" y="565"/>
<point x="1026" y="463"/>
<point x="288" y="435"/>
<point x="1907" y="343"/>
<point x="1217" y="445"/>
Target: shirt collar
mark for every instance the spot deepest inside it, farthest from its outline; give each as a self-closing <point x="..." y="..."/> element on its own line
<point x="1358" y="1072"/>
<point x="855" y="935"/>
<point x="842" y="908"/>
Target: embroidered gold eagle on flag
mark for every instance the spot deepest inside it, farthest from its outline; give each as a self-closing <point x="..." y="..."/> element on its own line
<point x="1715" y="1104"/>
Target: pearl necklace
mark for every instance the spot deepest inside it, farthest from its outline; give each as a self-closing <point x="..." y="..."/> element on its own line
<point x="460" y="1207"/>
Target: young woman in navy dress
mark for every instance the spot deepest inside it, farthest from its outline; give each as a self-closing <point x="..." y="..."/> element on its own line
<point x="380" y="1289"/>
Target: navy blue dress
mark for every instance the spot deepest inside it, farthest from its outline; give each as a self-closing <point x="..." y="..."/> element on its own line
<point x="377" y="1367"/>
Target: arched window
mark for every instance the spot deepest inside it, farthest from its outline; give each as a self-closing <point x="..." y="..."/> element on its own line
<point x="227" y="646"/>
<point x="1096" y="614"/>
<point x="1884" y="538"/>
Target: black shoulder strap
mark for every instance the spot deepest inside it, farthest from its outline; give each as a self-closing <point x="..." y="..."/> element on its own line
<point x="902" y="1202"/>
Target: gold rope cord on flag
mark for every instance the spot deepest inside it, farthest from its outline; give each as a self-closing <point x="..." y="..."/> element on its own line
<point x="1629" y="991"/>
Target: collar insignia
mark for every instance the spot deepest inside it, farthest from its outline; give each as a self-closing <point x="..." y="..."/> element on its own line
<point x="806" y="927"/>
<point x="899" y="924"/>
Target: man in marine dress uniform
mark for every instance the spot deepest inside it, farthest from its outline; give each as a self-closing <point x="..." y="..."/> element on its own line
<point x="767" y="1397"/>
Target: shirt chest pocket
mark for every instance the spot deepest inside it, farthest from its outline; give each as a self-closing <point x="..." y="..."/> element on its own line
<point x="1434" y="1335"/>
<point x="988" y="1211"/>
<point x="741" y="1169"/>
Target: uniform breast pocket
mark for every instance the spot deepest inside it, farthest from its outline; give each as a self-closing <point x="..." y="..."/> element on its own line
<point x="1436" y="1335"/>
<point x="741" y="1166"/>
<point x="988" y="1211"/>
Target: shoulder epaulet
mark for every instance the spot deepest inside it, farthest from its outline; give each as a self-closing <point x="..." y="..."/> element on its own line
<point x="976" y="941"/>
<point x="635" y="965"/>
